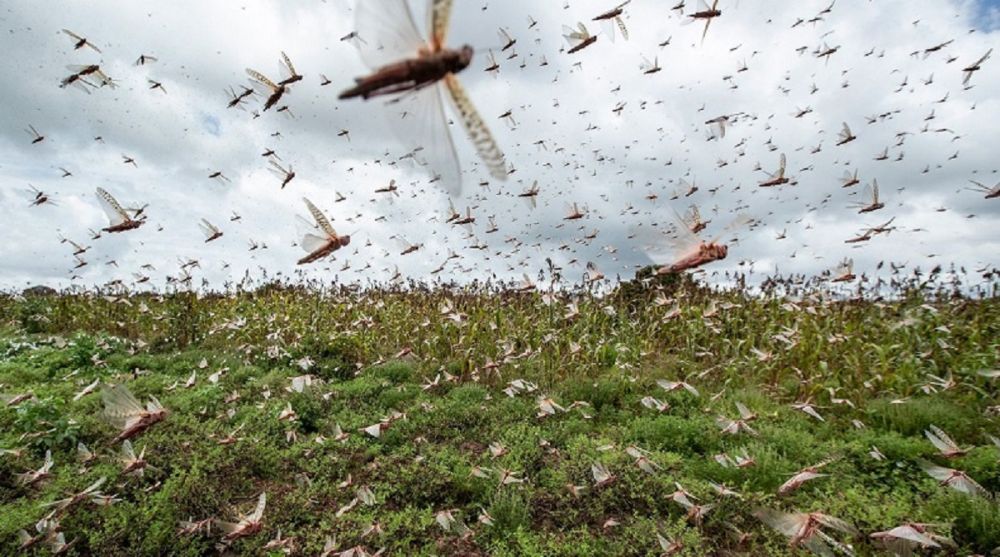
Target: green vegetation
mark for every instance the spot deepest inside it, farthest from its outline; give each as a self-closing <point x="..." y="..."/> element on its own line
<point x="433" y="364"/>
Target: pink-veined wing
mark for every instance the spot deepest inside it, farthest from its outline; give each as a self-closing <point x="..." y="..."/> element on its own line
<point x="476" y="128"/>
<point x="390" y="30"/>
<point x="116" y="214"/>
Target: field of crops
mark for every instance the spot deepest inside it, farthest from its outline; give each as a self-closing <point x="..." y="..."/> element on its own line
<point x="480" y="421"/>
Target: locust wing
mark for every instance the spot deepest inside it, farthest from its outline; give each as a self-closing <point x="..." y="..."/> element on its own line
<point x="259" y="80"/>
<point x="116" y="214"/>
<point x="286" y="66"/>
<point x="258" y="512"/>
<point x="389" y="27"/>
<point x="120" y="406"/>
<point x="320" y="218"/>
<point x="477" y="129"/>
<point x="440" y="17"/>
<point x="310" y="239"/>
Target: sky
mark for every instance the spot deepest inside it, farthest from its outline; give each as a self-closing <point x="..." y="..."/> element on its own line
<point x="591" y="128"/>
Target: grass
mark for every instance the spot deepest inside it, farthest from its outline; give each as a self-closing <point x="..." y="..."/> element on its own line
<point x="379" y="352"/>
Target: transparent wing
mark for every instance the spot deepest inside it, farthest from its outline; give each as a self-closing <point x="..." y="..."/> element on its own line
<point x="663" y="245"/>
<point x="389" y="27"/>
<point x="226" y="527"/>
<point x="845" y="132"/>
<point x="261" y="79"/>
<point x="478" y="131"/>
<point x="259" y="511"/>
<point x="207" y="229"/>
<point x="423" y="124"/>
<point x="311" y="242"/>
<point x="440" y="17"/>
<point x="621" y="27"/>
<point x="321" y="219"/>
<point x="939" y="473"/>
<point x="119" y="404"/>
<point x="116" y="214"/>
<point x="287" y="66"/>
<point x="785" y="523"/>
<point x="835" y="523"/>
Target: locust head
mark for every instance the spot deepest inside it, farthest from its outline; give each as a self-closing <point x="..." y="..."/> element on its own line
<point x="465" y="56"/>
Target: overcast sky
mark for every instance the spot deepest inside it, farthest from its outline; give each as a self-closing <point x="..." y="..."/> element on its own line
<point x="622" y="165"/>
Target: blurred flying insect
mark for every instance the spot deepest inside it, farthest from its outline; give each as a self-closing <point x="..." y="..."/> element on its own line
<point x="273" y="92"/>
<point x="210" y="231"/>
<point x="579" y="38"/>
<point x="649" y="68"/>
<point x="844" y="272"/>
<point x="778" y="178"/>
<point x="81" y="72"/>
<point x="236" y="99"/>
<point x="694" y="221"/>
<point x="991" y="193"/>
<point x="969" y="70"/>
<point x="849" y="179"/>
<point x="508" y="41"/>
<point x="531" y="193"/>
<point x="707" y="13"/>
<point x="286" y="175"/>
<point x="685" y="250"/>
<point x="613" y="22"/>
<point x="119" y="218"/>
<point x="40" y="197"/>
<point x="80" y="41"/>
<point x="322" y="245"/>
<point x="845" y="136"/>
<point x="123" y="411"/>
<point x="493" y="67"/>
<point x="35" y="136"/>
<point x="419" y="72"/>
<point x="826" y="51"/>
<point x="875" y="204"/>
